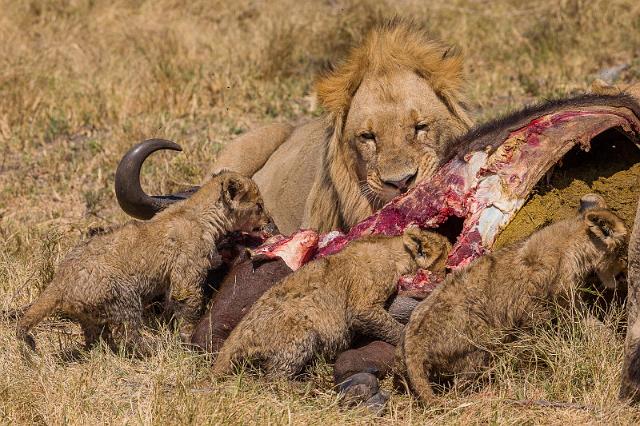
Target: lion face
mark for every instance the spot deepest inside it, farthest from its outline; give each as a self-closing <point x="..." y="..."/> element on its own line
<point x="244" y="202"/>
<point x="396" y="129"/>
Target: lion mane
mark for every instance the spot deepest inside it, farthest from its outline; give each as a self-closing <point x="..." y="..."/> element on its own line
<point x="397" y="45"/>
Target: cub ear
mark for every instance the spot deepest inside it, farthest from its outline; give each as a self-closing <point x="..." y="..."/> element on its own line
<point x="413" y="241"/>
<point x="606" y="226"/>
<point x="234" y="188"/>
<point x="423" y="246"/>
<point x="452" y="52"/>
<point x="591" y="201"/>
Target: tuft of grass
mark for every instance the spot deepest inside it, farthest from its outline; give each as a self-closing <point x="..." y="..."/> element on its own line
<point x="82" y="80"/>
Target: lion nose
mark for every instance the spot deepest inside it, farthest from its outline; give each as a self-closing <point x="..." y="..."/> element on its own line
<point x="403" y="183"/>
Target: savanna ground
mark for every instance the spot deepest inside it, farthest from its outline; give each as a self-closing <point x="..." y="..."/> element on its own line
<point x="81" y="81"/>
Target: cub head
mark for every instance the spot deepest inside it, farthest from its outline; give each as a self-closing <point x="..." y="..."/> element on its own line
<point x="610" y="235"/>
<point x="394" y="104"/>
<point x="428" y="249"/>
<point x="241" y="197"/>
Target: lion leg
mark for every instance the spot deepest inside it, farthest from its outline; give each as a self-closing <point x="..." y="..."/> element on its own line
<point x="93" y="332"/>
<point x="186" y="295"/>
<point x="417" y="371"/>
<point x="291" y="360"/>
<point x="379" y="323"/>
<point x="125" y="321"/>
<point x="285" y="357"/>
<point x="130" y="339"/>
<point x="468" y="368"/>
<point x="248" y="153"/>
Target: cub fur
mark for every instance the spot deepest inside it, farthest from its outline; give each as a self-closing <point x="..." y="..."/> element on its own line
<point x="315" y="311"/>
<point x="105" y="283"/>
<point x="451" y="332"/>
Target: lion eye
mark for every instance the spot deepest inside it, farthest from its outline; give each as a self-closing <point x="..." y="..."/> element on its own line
<point x="421" y="126"/>
<point x="368" y="136"/>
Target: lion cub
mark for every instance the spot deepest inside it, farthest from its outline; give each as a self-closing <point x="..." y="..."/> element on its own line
<point x="452" y="331"/>
<point x="315" y="311"/>
<point x="105" y="283"/>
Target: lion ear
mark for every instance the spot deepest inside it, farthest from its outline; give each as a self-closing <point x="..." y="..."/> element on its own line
<point x="234" y="190"/>
<point x="414" y="242"/>
<point x="605" y="226"/>
<point x="460" y="111"/>
<point x="452" y="52"/>
<point x="428" y="248"/>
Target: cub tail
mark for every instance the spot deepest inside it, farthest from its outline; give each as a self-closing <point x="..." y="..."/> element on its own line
<point x="44" y="306"/>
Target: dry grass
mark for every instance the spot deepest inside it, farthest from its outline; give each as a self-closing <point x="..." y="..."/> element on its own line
<point x="80" y="81"/>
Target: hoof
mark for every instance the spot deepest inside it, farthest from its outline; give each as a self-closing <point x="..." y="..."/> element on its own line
<point x="358" y="389"/>
<point x="185" y="338"/>
<point x="401" y="308"/>
<point x="377" y="403"/>
<point x="376" y="358"/>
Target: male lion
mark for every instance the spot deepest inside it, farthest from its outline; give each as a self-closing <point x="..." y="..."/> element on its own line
<point x="391" y="106"/>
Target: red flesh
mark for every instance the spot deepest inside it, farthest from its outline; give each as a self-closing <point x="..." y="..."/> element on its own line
<point x="485" y="189"/>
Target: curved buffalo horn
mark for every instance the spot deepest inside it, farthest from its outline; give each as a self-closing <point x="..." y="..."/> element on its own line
<point x="132" y="199"/>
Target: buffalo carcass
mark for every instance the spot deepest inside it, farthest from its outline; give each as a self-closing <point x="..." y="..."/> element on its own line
<point x="488" y="176"/>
